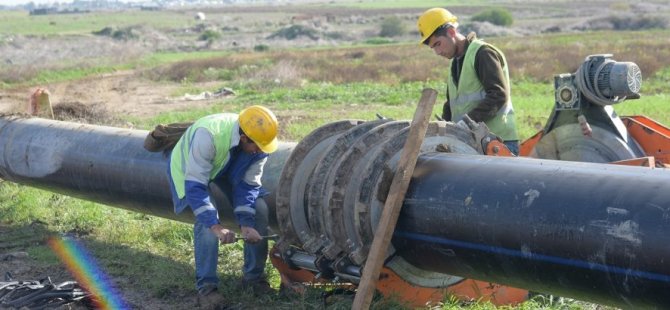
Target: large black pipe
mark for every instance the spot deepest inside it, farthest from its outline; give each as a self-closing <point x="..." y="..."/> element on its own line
<point x="594" y="232"/>
<point x="105" y="165"/>
<point x="591" y="231"/>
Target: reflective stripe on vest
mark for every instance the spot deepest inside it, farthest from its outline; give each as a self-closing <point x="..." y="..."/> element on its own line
<point x="220" y="126"/>
<point x="469" y="92"/>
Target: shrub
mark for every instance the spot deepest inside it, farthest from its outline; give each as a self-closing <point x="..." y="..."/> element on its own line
<point x="638" y="23"/>
<point x="392" y="27"/>
<point x="295" y="31"/>
<point x="496" y="16"/>
<point x="209" y="35"/>
<point x="261" y="48"/>
<point x="107" y="31"/>
<point x="126" y="33"/>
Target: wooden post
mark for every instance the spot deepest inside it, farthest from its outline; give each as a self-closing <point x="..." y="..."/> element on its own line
<point x="389" y="217"/>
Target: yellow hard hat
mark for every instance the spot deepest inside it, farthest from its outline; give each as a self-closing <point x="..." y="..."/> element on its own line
<point x="261" y="126"/>
<point x="432" y="19"/>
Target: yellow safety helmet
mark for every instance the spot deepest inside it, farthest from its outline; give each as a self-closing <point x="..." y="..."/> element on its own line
<point x="432" y="19"/>
<point x="261" y="126"/>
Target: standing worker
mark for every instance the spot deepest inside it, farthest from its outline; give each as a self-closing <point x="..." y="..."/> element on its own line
<point x="231" y="148"/>
<point x="478" y="83"/>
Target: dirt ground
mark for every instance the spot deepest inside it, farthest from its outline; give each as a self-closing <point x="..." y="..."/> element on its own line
<point x="119" y="93"/>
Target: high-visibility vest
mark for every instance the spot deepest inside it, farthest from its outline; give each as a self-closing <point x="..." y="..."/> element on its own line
<point x="469" y="92"/>
<point x="221" y="127"/>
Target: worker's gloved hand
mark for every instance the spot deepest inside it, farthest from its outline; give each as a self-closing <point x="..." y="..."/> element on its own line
<point x="225" y="235"/>
<point x="250" y="234"/>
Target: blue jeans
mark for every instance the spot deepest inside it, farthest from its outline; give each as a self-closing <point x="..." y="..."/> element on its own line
<point x="513" y="146"/>
<point x="206" y="246"/>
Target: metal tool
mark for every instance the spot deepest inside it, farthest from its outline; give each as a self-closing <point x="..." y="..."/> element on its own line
<point x="268" y="237"/>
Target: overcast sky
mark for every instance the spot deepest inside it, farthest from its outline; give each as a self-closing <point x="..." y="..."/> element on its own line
<point x="14" y="2"/>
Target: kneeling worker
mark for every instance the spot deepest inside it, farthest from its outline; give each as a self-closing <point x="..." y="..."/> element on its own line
<point x="231" y="148"/>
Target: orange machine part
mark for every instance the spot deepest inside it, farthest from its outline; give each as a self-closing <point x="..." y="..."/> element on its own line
<point x="392" y="285"/>
<point x="289" y="276"/>
<point x="653" y="137"/>
<point x="647" y="161"/>
<point x="497" y="148"/>
<point x="527" y="146"/>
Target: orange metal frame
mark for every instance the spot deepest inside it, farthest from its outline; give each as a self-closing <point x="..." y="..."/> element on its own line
<point x="653" y="138"/>
<point x="391" y="285"/>
<point x="527" y="146"/>
<point x="497" y="148"/>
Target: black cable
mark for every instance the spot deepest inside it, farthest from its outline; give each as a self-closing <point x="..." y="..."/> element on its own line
<point x="41" y="294"/>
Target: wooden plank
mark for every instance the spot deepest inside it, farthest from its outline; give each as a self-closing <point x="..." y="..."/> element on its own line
<point x="389" y="217"/>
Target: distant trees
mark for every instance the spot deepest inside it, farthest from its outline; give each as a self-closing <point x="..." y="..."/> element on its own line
<point x="496" y="16"/>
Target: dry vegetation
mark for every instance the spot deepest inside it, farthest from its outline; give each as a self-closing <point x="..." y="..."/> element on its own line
<point x="534" y="58"/>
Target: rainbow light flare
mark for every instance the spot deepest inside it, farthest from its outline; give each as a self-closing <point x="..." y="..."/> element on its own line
<point x="85" y="270"/>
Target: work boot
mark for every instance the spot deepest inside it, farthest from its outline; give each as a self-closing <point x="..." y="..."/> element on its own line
<point x="259" y="287"/>
<point x="209" y="298"/>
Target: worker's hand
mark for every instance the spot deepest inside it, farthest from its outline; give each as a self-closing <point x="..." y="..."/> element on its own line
<point x="250" y="234"/>
<point x="225" y="235"/>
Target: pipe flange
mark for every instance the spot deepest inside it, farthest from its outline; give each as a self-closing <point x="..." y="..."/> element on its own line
<point x="341" y="185"/>
<point x="376" y="181"/>
<point x="316" y="185"/>
<point x="290" y="204"/>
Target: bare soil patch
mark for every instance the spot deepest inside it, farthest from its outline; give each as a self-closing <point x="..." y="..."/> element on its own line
<point x="100" y="99"/>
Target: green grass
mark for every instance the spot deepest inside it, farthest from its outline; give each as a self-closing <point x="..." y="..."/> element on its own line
<point x="317" y="104"/>
<point x="20" y="22"/>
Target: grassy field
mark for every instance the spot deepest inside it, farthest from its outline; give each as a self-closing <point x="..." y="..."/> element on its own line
<point x="17" y="23"/>
<point x="306" y="88"/>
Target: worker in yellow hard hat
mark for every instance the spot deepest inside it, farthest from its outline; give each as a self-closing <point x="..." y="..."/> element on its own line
<point x="478" y="83"/>
<point x="230" y="149"/>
